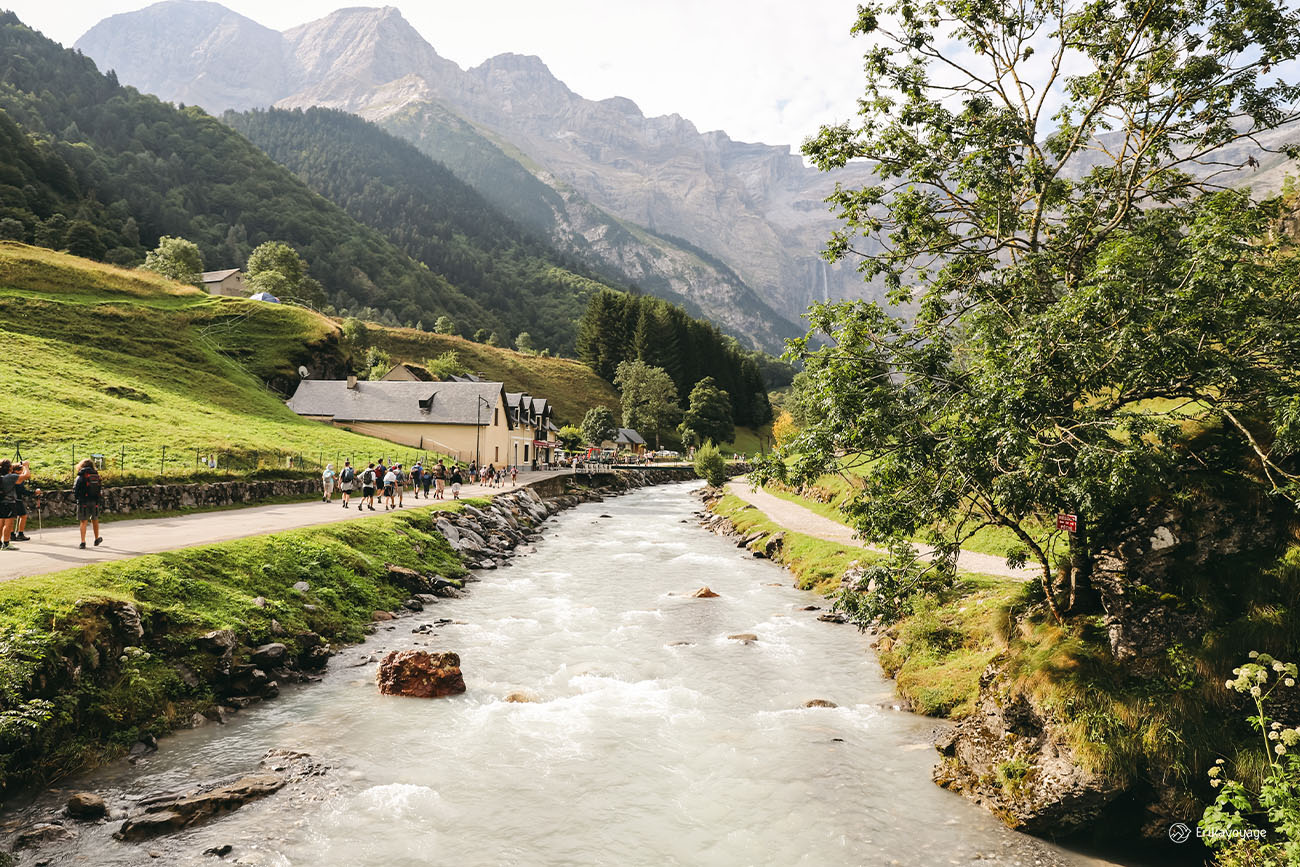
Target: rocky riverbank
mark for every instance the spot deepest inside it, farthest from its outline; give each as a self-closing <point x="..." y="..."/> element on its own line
<point x="117" y="673"/>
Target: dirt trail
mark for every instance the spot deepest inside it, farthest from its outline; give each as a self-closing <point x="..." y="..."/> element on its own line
<point x="800" y="519"/>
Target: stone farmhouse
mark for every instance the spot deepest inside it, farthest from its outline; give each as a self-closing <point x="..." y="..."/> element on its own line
<point x="229" y="282"/>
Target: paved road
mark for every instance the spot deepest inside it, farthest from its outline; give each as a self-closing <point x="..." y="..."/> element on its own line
<point x="795" y="517"/>
<point x="57" y="549"/>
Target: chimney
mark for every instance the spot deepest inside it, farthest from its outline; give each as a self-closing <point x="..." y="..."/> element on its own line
<point x="352" y="382"/>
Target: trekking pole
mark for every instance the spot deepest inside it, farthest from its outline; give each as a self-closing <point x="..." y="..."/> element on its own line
<point x="40" y="516"/>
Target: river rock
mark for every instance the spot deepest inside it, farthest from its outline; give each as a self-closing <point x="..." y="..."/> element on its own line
<point x="270" y="655"/>
<point x="744" y="637"/>
<point x="219" y="642"/>
<point x="87" y="806"/>
<point x="833" y="617"/>
<point x="420" y="674"/>
<point x="704" y="593"/>
<point x="173" y="811"/>
<point x="522" y="696"/>
<point x="381" y="615"/>
<point x="820" y="702"/>
<point x="301" y="586"/>
<point x="43" y="832"/>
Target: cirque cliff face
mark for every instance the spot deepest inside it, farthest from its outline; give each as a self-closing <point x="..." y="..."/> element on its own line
<point x="755" y="208"/>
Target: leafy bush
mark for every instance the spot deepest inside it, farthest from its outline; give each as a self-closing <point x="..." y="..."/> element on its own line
<point x="1246" y="827"/>
<point x="710" y="466"/>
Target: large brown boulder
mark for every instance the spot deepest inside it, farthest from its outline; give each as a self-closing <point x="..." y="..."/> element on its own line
<point x="420" y="674"/>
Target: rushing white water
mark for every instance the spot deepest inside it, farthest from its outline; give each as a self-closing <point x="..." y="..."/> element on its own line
<point x="640" y="749"/>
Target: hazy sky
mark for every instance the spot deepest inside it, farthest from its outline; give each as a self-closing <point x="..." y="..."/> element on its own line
<point x="761" y="70"/>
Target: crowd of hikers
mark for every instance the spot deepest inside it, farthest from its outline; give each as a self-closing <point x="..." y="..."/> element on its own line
<point x="87" y="491"/>
<point x="386" y="481"/>
<point x="389" y="482"/>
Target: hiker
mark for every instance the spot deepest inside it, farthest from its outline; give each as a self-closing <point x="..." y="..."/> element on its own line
<point x="440" y="480"/>
<point x="417" y="472"/>
<point x="10" y="478"/>
<point x="514" y="475"/>
<point x="367" y="488"/>
<point x="427" y="480"/>
<point x="455" y="481"/>
<point x="390" y="481"/>
<point x="86" y="491"/>
<point x="399" y="482"/>
<point x="327" y="482"/>
<point x="347" y="478"/>
<point x="19" y="533"/>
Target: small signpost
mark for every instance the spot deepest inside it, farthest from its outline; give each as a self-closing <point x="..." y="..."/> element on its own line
<point x="1068" y="523"/>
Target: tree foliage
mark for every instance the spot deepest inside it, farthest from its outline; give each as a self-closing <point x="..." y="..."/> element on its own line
<point x="709" y="413"/>
<point x="649" y="398"/>
<point x="1096" y="318"/>
<point x="620" y="327"/>
<point x="710" y="465"/>
<point x="176" y="259"/>
<point x="274" y="265"/>
<point x="598" y="425"/>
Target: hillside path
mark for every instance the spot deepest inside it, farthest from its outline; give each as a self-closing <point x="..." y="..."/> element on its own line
<point x="56" y="548"/>
<point x="799" y="519"/>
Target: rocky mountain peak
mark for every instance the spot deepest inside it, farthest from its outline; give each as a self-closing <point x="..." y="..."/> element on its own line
<point x="365" y="45"/>
<point x="192" y="51"/>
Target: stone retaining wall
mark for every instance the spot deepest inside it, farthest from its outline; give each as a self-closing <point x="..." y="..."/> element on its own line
<point x="169" y="498"/>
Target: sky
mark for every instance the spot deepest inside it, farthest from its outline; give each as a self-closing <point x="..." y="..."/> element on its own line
<point x="760" y="70"/>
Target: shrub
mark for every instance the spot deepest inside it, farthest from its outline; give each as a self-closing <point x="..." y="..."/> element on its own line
<point x="710" y="466"/>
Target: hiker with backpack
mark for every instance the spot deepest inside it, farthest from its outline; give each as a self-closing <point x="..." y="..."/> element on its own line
<point x="455" y="481"/>
<point x="417" y="472"/>
<point x="390" y="482"/>
<point x="367" y="488"/>
<point x="399" y="483"/>
<point x="440" y="480"/>
<point x="428" y="482"/>
<point x="88" y="491"/>
<point x="347" y="478"/>
<point x="19" y="533"/>
<point x="10" y="478"/>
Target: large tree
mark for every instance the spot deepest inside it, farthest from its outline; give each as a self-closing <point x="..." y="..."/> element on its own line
<point x="277" y="268"/>
<point x="177" y="259"/>
<point x="649" y="398"/>
<point x="1095" y="317"/>
<point x="598" y="425"/>
<point x="709" y="413"/>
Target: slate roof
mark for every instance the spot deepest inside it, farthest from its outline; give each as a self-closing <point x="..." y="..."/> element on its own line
<point x="218" y="276"/>
<point x="629" y="436"/>
<point x="452" y="402"/>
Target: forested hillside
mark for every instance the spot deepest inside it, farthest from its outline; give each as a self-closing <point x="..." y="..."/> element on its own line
<point x="136" y="166"/>
<point x="620" y="327"/>
<point x="429" y="213"/>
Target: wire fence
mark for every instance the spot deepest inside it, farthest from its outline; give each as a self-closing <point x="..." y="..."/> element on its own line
<point x="53" y="464"/>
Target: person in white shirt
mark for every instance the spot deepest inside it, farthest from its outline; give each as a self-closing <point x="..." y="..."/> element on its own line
<point x="390" y="482"/>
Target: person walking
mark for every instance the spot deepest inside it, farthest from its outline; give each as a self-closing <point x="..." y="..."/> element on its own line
<point x="368" y="478"/>
<point x="390" y="481"/>
<point x="347" y="480"/>
<point x="514" y="475"/>
<point x="327" y="482"/>
<point x="455" y="481"/>
<point x="400" y="483"/>
<point x="19" y="533"/>
<point x="440" y="481"/>
<point x="88" y="491"/>
<point x="417" y="472"/>
<point x="10" y="478"/>
<point x="427" y="480"/>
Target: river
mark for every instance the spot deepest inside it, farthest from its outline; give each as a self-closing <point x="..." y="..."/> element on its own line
<point x="655" y="739"/>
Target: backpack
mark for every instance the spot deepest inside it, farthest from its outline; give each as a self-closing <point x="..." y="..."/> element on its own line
<point x="368" y="478"/>
<point x="93" y="484"/>
<point x="347" y="475"/>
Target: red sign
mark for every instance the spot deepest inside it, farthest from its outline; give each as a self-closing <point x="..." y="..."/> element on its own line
<point x="1069" y="523"/>
<point x="542" y="444"/>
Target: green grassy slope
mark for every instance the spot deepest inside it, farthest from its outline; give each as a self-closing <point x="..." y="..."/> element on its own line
<point x="570" y="385"/>
<point x="119" y="362"/>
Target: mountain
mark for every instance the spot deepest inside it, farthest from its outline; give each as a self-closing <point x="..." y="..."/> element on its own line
<point x="623" y="188"/>
<point x="433" y="216"/>
<point x="181" y="172"/>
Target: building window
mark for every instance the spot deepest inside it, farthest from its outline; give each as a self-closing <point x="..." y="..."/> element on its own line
<point x="494" y="417"/>
<point x="496" y="453"/>
<point x="525" y="454"/>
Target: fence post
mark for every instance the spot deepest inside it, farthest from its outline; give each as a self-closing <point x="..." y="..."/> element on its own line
<point x="121" y="463"/>
<point x="162" y="465"/>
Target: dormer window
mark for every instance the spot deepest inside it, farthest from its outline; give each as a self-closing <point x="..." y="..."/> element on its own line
<point x="426" y="405"/>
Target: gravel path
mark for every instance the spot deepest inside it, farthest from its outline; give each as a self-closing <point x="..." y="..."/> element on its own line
<point x="56" y="548"/>
<point x="799" y="519"/>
